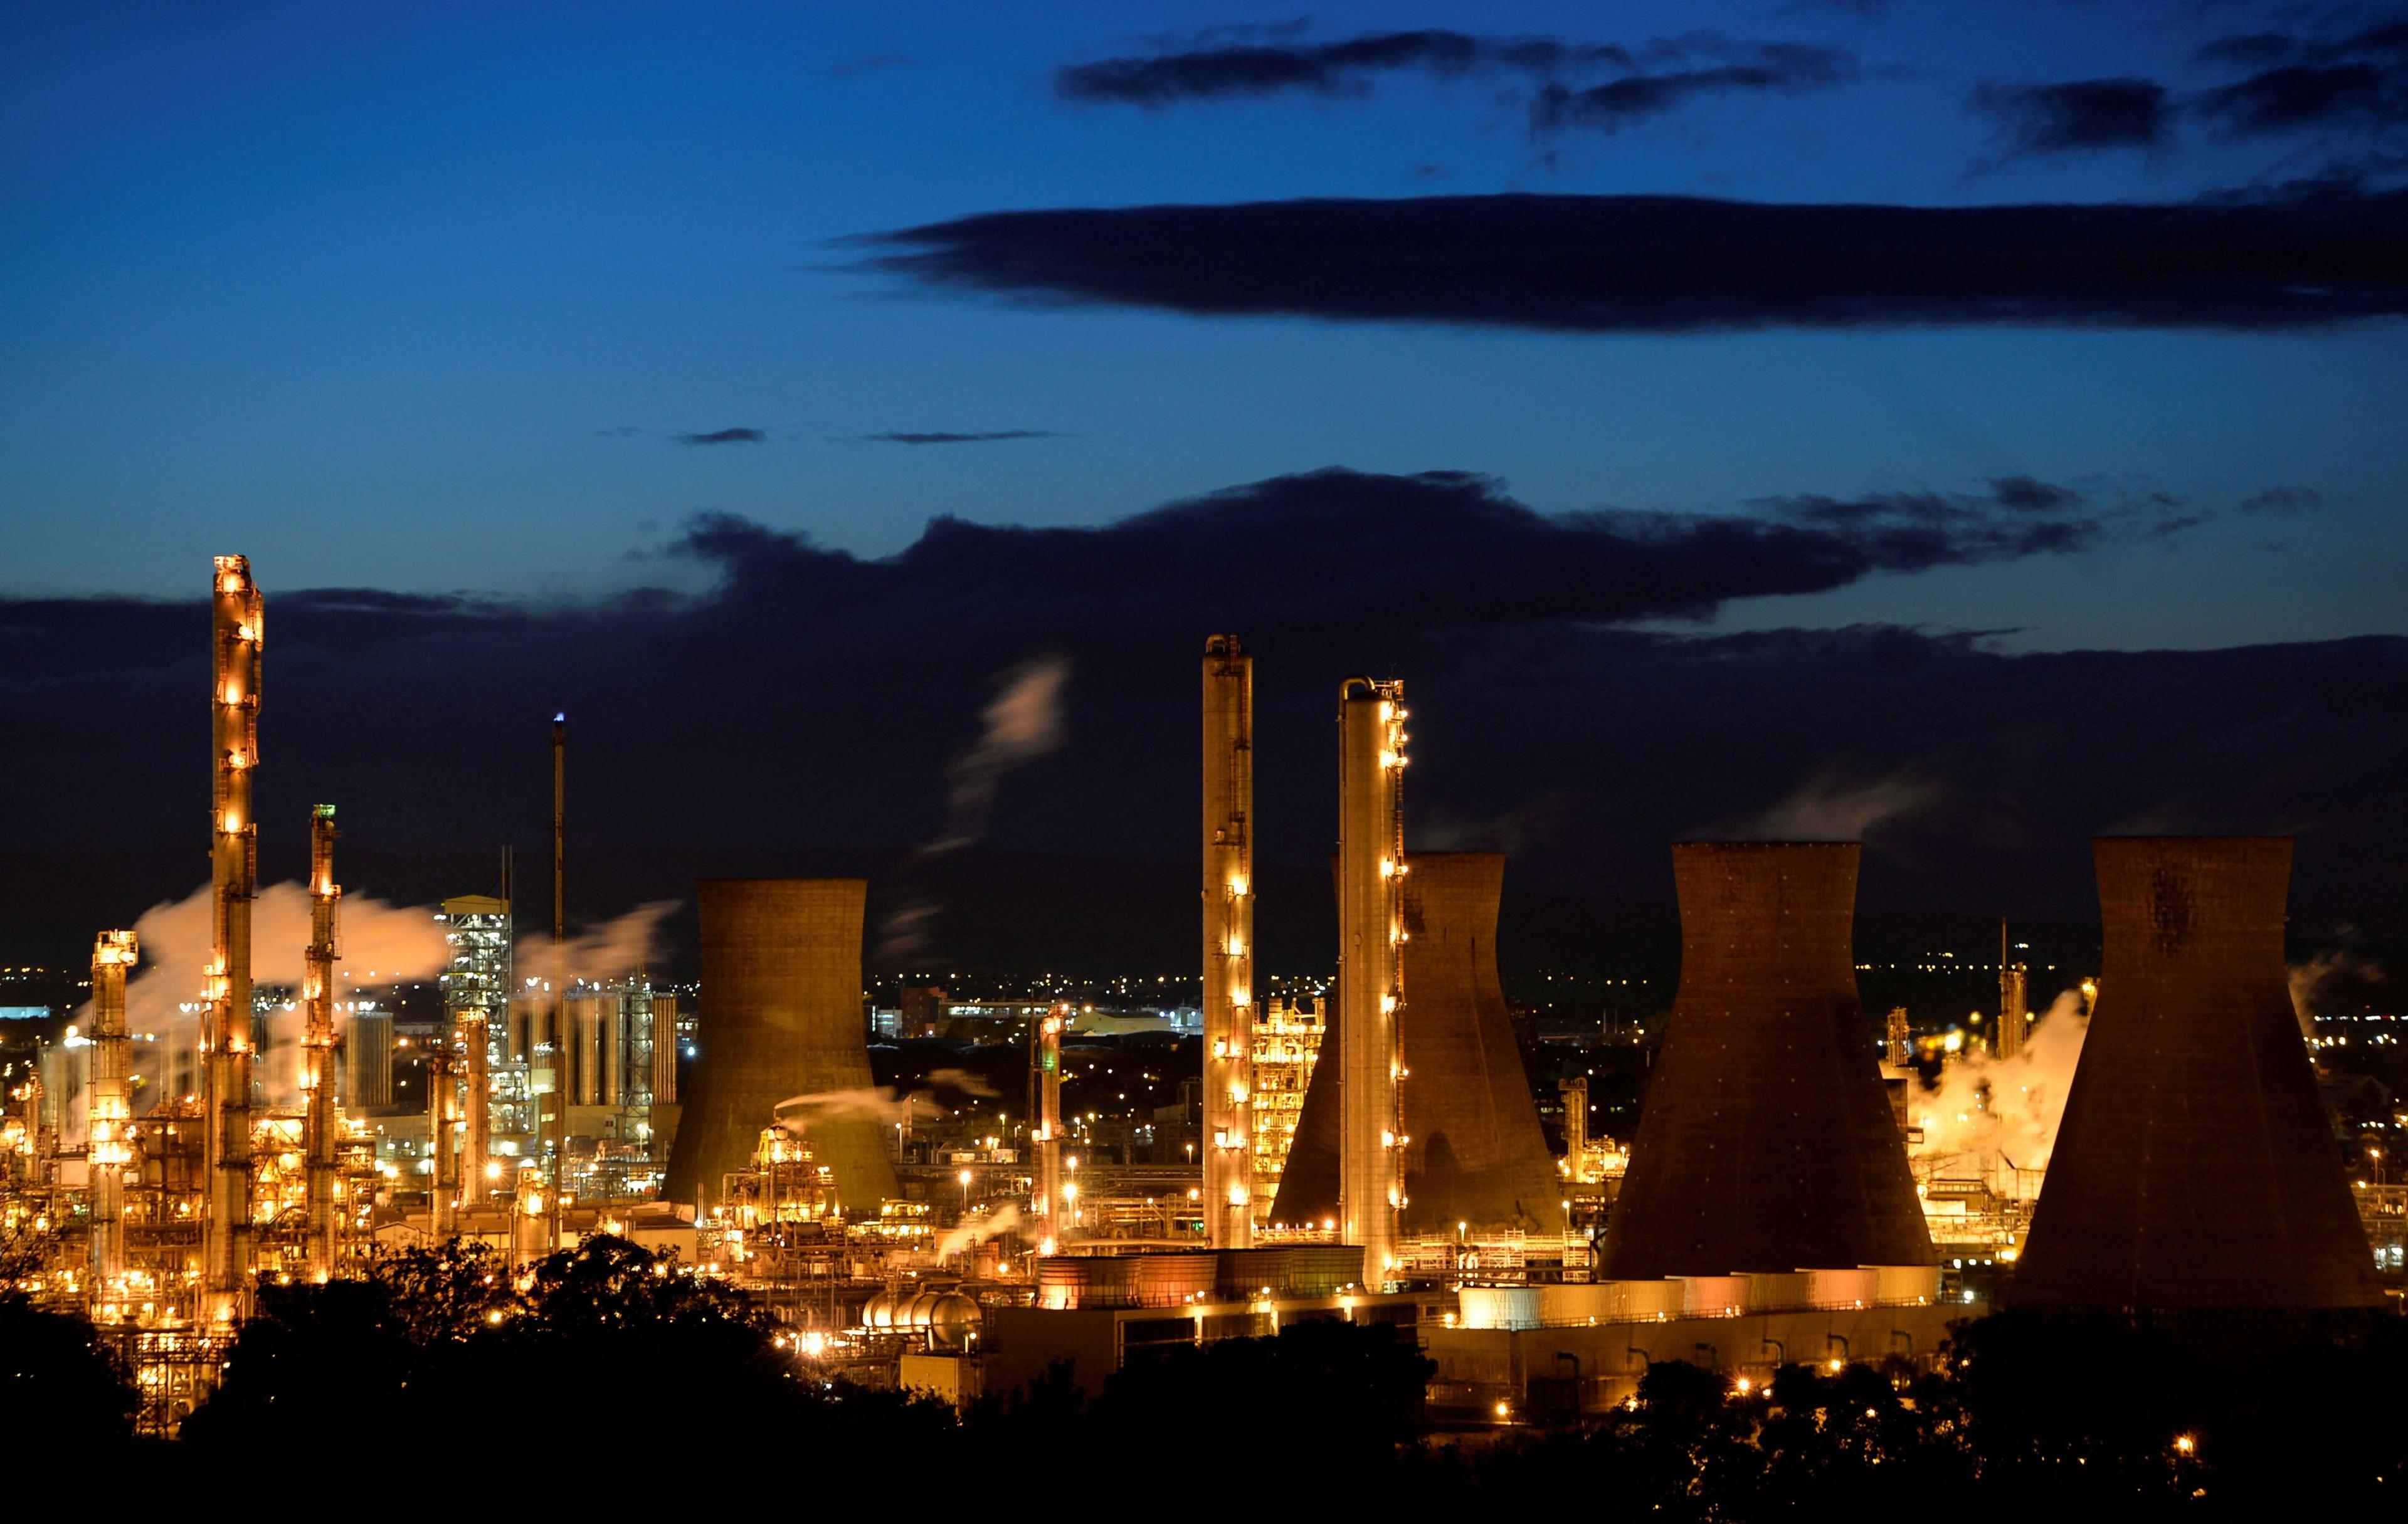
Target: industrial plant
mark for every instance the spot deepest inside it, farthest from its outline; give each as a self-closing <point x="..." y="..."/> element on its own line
<point x="1366" y="1148"/>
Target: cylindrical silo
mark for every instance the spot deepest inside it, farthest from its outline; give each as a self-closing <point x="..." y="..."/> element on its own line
<point x="2195" y="1166"/>
<point x="1767" y="1143"/>
<point x="781" y="1020"/>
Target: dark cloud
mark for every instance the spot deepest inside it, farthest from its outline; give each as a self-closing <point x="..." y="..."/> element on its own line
<point x="1937" y="526"/>
<point x="2354" y="83"/>
<point x="1677" y="265"/>
<point x="1773" y="68"/>
<point x="2283" y="500"/>
<point x="2078" y="116"/>
<point x="2301" y="96"/>
<point x="940" y="437"/>
<point x="1260" y="67"/>
<point x="1649" y="79"/>
<point x="722" y="436"/>
<point x="819" y="703"/>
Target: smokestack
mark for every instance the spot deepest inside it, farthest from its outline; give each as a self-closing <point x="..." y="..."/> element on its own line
<point x="1474" y="1153"/>
<point x="111" y="1106"/>
<point x="2195" y="1166"/>
<point x="780" y="1019"/>
<point x="238" y="633"/>
<point x="1766" y="1144"/>
<point x="1228" y="942"/>
<point x="320" y="1233"/>
<point x="1370" y="989"/>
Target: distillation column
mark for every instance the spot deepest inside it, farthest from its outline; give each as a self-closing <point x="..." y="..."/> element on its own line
<point x="442" y="1119"/>
<point x="1370" y="986"/>
<point x="477" y="1113"/>
<point x="236" y="632"/>
<point x="1228" y="942"/>
<point x="1052" y="1205"/>
<point x="317" y="1049"/>
<point x="556" y="1238"/>
<point x="109" y="1100"/>
<point x="2015" y="1001"/>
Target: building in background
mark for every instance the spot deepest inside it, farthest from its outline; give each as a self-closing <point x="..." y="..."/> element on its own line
<point x="1287" y="1044"/>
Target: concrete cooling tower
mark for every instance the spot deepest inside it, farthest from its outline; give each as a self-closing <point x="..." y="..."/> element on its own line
<point x="780" y="1017"/>
<point x="1766" y="1144"/>
<point x="1474" y="1152"/>
<point x="2194" y="1167"/>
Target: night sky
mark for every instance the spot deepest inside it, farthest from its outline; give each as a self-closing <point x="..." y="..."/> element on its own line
<point x="1973" y="426"/>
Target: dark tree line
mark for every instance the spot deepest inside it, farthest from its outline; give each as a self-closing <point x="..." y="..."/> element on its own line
<point x="613" y="1363"/>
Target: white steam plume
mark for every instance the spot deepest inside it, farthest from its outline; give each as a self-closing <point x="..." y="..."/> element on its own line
<point x="611" y="950"/>
<point x="1023" y="721"/>
<point x="1828" y="809"/>
<point x="377" y="942"/>
<point x="2313" y="982"/>
<point x="973" y="1232"/>
<point x="796" y="1112"/>
<point x="1984" y="1107"/>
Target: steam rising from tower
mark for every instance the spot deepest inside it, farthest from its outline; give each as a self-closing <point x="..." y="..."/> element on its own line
<point x="2194" y="1167"/>
<point x="1228" y="941"/>
<point x="237" y="637"/>
<point x="1370" y="987"/>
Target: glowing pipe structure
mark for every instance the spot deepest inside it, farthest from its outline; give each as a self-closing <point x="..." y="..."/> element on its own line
<point x="109" y="1100"/>
<point x="1228" y="942"/>
<point x="317" y="1049"/>
<point x="237" y="637"/>
<point x="1370" y="982"/>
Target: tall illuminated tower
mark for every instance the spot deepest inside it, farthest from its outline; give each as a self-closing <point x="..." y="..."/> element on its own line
<point x="1370" y="986"/>
<point x="317" y="1048"/>
<point x="1059" y="1223"/>
<point x="237" y="637"/>
<point x="1228" y="942"/>
<point x="110" y="1100"/>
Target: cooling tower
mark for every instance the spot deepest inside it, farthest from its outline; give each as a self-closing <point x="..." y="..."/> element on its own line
<point x="1474" y="1153"/>
<point x="780" y="1018"/>
<point x="1766" y="1144"/>
<point x="2194" y="1167"/>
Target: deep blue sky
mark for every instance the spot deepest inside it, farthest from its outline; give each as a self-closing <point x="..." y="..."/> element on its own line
<point x="416" y="296"/>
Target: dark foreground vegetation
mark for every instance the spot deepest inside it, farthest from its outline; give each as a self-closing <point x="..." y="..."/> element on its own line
<point x="611" y="1358"/>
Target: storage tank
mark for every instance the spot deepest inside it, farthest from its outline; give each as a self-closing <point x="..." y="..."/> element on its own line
<point x="780" y="1017"/>
<point x="1766" y="1144"/>
<point x="2195" y="1166"/>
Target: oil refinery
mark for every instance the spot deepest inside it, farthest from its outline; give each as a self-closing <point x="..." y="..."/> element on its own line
<point x="1368" y="1148"/>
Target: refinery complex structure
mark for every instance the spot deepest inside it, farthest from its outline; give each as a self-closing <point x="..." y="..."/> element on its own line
<point x="1370" y="1151"/>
